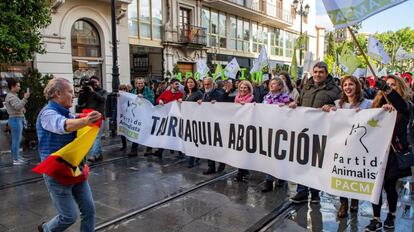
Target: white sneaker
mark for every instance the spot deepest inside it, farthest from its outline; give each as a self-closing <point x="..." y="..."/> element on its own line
<point x="18" y="162"/>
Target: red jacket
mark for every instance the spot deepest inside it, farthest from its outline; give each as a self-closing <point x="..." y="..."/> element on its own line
<point x="168" y="96"/>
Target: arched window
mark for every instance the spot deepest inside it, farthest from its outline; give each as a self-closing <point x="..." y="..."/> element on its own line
<point x="86" y="52"/>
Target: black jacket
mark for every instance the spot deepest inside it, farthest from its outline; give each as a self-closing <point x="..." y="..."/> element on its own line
<point x="93" y="100"/>
<point x="195" y="96"/>
<point x="214" y="94"/>
<point x="399" y="136"/>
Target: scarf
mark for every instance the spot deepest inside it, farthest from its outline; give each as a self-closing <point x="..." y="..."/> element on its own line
<point x="276" y="98"/>
<point x="248" y="98"/>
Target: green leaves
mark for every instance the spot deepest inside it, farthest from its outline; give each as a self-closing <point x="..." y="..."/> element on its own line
<point x="20" y="22"/>
<point x="373" y="123"/>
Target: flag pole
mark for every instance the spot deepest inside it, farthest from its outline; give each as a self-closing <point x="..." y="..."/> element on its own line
<point x="362" y="51"/>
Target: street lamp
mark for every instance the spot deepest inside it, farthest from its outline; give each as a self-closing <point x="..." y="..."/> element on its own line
<point x="302" y="12"/>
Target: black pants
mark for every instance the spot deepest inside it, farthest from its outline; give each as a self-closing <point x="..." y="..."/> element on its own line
<point x="124" y="142"/>
<point x="212" y="165"/>
<point x="390" y="187"/>
<point x="134" y="147"/>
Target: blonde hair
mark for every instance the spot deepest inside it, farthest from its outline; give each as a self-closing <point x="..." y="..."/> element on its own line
<point x="249" y="85"/>
<point x="279" y="80"/>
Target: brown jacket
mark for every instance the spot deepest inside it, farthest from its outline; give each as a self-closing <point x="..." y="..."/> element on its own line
<point x="317" y="96"/>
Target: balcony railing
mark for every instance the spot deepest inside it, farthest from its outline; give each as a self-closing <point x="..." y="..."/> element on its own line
<point x="266" y="8"/>
<point x="189" y="34"/>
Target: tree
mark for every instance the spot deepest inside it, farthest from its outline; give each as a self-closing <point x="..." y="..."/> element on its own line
<point x="20" y="24"/>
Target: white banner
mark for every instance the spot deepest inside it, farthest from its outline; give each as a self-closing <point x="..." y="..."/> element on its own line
<point x="376" y="50"/>
<point x="349" y="12"/>
<point x="231" y="69"/>
<point x="342" y="153"/>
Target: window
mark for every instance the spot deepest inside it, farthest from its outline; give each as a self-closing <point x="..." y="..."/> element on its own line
<point x="254" y="37"/>
<point x="290" y="43"/>
<point x="205" y="22"/>
<point x="239" y="34"/>
<point x="214" y="29"/>
<point x="145" y="19"/>
<point x="86" y="52"/>
<point x="246" y="36"/>
<point x="85" y="40"/>
<point x="156" y="19"/>
<point x="222" y="28"/>
<point x="233" y="32"/>
<point x="276" y="42"/>
<point x="133" y="19"/>
<point x="184" y="24"/>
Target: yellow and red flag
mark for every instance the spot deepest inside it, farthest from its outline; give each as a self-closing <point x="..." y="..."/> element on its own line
<point x="63" y="165"/>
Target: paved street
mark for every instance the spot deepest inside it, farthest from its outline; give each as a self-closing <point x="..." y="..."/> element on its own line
<point x="146" y="194"/>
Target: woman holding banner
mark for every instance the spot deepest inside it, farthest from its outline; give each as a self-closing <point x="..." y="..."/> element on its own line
<point x="393" y="94"/>
<point x="293" y="92"/>
<point x="278" y="95"/>
<point x="193" y="94"/>
<point x="244" y="95"/>
<point x="352" y="98"/>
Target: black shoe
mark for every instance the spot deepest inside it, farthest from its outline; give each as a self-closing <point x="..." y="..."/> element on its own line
<point x="268" y="186"/>
<point x="190" y="166"/>
<point x="158" y="154"/>
<point x="123" y="149"/>
<point x="221" y="168"/>
<point x="133" y="154"/>
<point x="240" y="177"/>
<point x="280" y="183"/>
<point x="40" y="227"/>
<point x="300" y="197"/>
<point x="209" y="171"/>
<point x="147" y="153"/>
<point x="373" y="226"/>
<point x="315" y="198"/>
<point x="389" y="222"/>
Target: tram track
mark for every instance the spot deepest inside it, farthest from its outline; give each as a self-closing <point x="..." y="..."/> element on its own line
<point x="40" y="178"/>
<point x="36" y="179"/>
<point x="111" y="223"/>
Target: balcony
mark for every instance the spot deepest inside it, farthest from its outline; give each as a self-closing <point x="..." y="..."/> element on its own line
<point x="188" y="35"/>
<point x="259" y="10"/>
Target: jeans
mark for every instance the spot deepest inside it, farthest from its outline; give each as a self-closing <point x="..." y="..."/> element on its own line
<point x="16" y="126"/>
<point x="96" y="149"/>
<point x="66" y="198"/>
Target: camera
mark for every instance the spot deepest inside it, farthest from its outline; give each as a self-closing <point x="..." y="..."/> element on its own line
<point x="86" y="83"/>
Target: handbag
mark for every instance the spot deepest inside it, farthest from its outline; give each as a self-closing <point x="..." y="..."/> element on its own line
<point x="405" y="159"/>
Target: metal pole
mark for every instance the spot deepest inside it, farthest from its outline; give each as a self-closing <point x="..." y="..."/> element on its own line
<point x="300" y="35"/>
<point x="362" y="51"/>
<point x="115" y="69"/>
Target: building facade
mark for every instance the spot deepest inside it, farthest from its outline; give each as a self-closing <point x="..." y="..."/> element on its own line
<point x="170" y="34"/>
<point x="78" y="41"/>
<point x="157" y="38"/>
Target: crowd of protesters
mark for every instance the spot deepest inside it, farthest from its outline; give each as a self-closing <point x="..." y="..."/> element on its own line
<point x="320" y="90"/>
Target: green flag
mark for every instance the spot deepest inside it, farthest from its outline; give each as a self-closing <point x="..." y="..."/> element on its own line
<point x="348" y="61"/>
<point x="294" y="66"/>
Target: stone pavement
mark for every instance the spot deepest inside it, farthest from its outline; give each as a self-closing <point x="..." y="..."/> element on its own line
<point x="122" y="185"/>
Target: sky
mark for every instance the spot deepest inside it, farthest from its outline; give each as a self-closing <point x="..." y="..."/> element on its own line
<point x="392" y="19"/>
